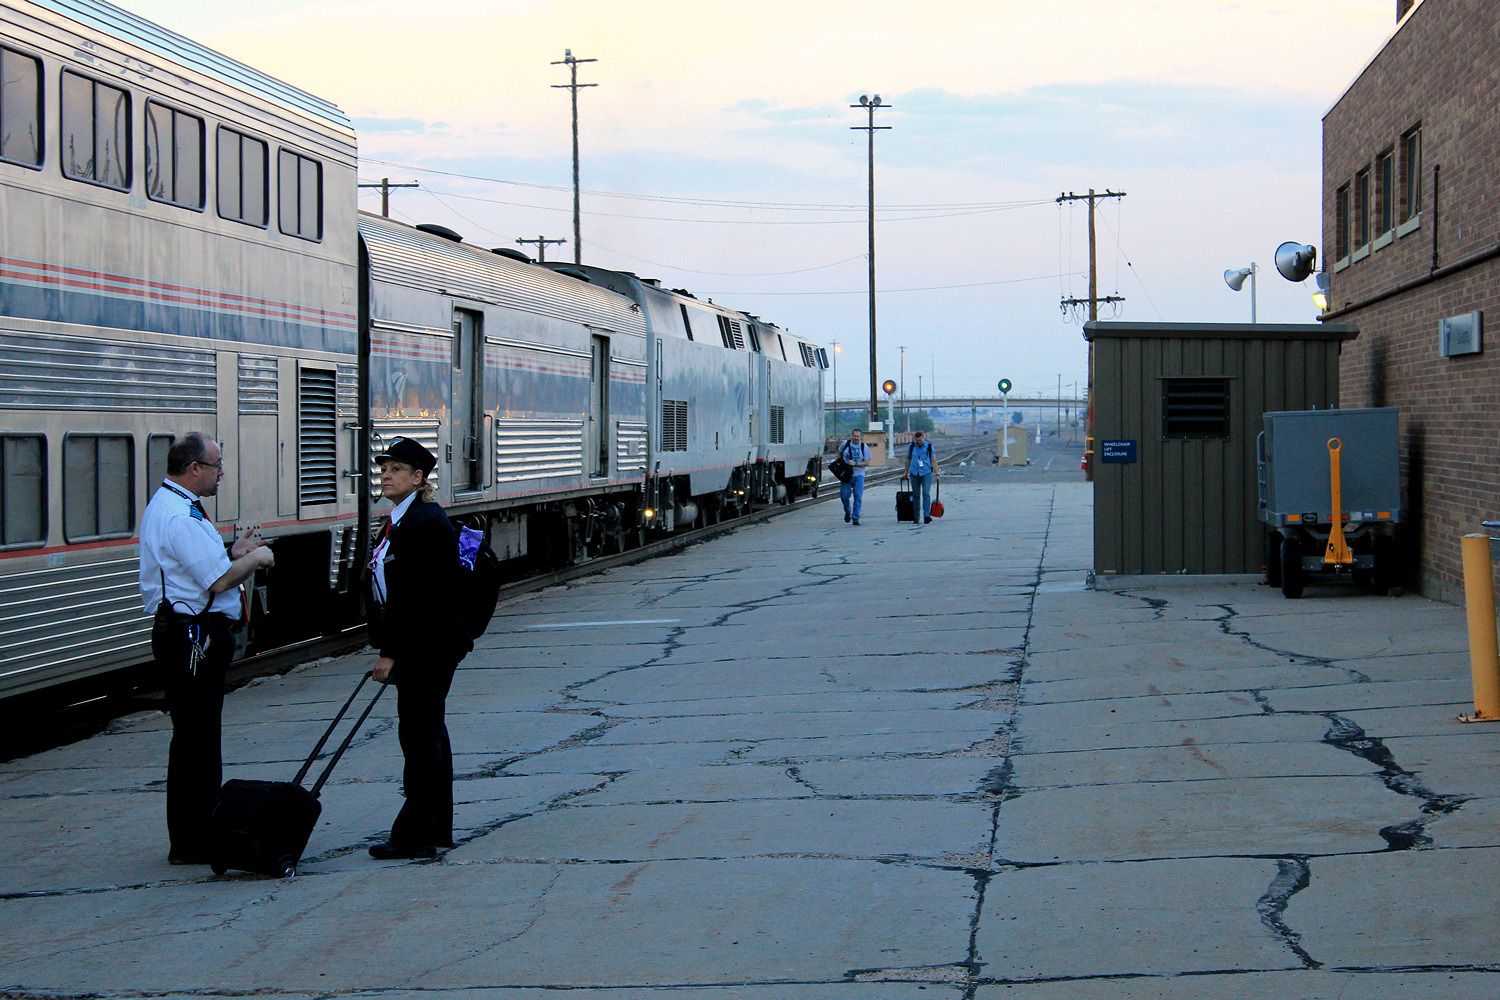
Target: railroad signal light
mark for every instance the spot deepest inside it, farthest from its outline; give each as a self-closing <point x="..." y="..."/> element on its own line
<point x="1005" y="387"/>
<point x="888" y="386"/>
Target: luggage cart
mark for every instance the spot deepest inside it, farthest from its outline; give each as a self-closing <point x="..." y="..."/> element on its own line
<point x="1330" y="493"/>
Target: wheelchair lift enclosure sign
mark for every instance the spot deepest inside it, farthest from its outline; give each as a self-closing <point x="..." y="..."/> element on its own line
<point x="1117" y="451"/>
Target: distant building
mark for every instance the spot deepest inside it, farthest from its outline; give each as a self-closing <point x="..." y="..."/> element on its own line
<point x="1411" y="241"/>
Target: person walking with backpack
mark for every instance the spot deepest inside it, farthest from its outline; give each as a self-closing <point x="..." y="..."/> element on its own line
<point x="416" y="625"/>
<point x="854" y="451"/>
<point x="921" y="466"/>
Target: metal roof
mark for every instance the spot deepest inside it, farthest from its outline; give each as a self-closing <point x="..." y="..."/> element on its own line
<point x="129" y="28"/>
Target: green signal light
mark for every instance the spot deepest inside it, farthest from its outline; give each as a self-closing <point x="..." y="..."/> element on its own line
<point x="1005" y="386"/>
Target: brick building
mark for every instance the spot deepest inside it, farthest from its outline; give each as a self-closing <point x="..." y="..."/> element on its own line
<point x="1411" y="241"/>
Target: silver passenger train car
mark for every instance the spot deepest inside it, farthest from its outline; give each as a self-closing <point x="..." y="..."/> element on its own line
<point x="180" y="249"/>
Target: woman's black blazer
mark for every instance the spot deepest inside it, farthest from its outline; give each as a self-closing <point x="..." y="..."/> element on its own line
<point x="420" y="620"/>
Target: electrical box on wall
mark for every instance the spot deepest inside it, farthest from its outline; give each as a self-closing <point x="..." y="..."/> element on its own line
<point x="1462" y="334"/>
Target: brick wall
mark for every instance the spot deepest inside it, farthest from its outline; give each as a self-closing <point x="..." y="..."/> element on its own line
<point x="1438" y="72"/>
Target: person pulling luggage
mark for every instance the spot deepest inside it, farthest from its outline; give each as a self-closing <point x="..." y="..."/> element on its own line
<point x="415" y="625"/>
<point x="921" y="466"/>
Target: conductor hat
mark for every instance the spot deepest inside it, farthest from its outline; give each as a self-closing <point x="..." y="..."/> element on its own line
<point x="409" y="452"/>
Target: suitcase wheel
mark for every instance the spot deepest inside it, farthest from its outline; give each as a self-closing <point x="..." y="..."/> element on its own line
<point x="288" y="866"/>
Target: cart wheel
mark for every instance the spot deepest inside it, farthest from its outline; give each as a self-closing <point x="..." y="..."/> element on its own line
<point x="1291" y="567"/>
<point x="288" y="867"/>
<point x="1273" y="558"/>
<point x="1387" y="571"/>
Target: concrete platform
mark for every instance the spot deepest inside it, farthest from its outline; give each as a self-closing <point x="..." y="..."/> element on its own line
<point x="815" y="762"/>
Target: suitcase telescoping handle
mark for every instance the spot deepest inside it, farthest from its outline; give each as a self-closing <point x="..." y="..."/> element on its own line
<point x="307" y="764"/>
<point x="348" y="738"/>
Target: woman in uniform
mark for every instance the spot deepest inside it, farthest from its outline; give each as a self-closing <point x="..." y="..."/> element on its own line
<point x="416" y="627"/>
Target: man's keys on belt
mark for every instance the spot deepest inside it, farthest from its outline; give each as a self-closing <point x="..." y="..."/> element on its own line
<point x="198" y="641"/>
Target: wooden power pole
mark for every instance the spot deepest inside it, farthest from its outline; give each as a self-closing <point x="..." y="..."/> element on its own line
<point x="1093" y="302"/>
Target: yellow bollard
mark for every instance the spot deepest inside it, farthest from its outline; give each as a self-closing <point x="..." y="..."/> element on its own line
<point x="1479" y="599"/>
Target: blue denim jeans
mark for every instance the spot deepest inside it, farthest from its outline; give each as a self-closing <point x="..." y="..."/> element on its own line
<point x="855" y="487"/>
<point x="921" y="496"/>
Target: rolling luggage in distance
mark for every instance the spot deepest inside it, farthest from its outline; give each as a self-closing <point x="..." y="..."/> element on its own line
<point x="263" y="826"/>
<point x="905" y="510"/>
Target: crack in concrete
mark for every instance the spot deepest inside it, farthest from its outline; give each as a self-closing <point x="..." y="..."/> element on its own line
<point x="1304" y="658"/>
<point x="1344" y="734"/>
<point x="1293" y="874"/>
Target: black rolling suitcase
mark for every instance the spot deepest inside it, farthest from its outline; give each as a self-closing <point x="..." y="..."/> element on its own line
<point x="905" y="510"/>
<point x="263" y="826"/>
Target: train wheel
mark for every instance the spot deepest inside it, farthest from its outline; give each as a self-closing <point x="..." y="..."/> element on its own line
<point x="1273" y="558"/>
<point x="1292" y="574"/>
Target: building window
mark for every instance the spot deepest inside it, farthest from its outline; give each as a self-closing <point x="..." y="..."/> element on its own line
<point x="174" y="156"/>
<point x="1411" y="174"/>
<point x="1362" y="209"/>
<point x="1341" y="223"/>
<point x="23" y="489"/>
<point x="97" y="500"/>
<point x="1195" y="408"/>
<point x="301" y="201"/>
<point x="95" y="132"/>
<point x="20" y="108"/>
<point x="242" y="178"/>
<point x="1385" y="193"/>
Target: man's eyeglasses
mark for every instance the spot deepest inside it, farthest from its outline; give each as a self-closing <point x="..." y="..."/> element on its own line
<point x="216" y="465"/>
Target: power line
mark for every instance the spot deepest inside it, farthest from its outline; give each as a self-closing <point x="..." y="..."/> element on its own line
<point x="960" y="207"/>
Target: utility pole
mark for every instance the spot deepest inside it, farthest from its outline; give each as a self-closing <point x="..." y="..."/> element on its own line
<point x="905" y="417"/>
<point x="385" y="186"/>
<point x="572" y="64"/>
<point x="870" y="105"/>
<point x="1093" y="300"/>
<point x="541" y="247"/>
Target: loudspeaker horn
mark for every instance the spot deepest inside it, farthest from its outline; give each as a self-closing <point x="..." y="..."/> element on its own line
<point x="1296" y="261"/>
<point x="1235" y="277"/>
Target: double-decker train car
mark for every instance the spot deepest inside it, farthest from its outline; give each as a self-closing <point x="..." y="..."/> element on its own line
<point x="180" y="249"/>
<point x="177" y="251"/>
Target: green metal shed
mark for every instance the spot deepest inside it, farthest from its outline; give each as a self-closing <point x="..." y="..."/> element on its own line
<point x="1176" y="411"/>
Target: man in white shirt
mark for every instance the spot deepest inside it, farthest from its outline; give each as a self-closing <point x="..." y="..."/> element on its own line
<point x="191" y="582"/>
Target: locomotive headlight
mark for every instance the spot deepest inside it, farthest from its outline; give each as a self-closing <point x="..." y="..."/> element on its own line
<point x="649" y="514"/>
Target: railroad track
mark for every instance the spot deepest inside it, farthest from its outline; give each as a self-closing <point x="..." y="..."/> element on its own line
<point x="31" y="726"/>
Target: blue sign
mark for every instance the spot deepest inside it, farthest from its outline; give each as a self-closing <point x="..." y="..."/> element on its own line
<point x="1122" y="452"/>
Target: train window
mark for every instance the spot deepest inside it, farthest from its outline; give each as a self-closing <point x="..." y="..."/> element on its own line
<point x="301" y="202"/>
<point x="20" y="108"/>
<point x="95" y="132"/>
<point x="174" y="156"/>
<point x="242" y="178"/>
<point x="97" y="499"/>
<point x="755" y="339"/>
<point x="685" y="324"/>
<point x="23" y="489"/>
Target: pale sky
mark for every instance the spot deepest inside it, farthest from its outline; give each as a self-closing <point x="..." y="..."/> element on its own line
<point x="718" y="154"/>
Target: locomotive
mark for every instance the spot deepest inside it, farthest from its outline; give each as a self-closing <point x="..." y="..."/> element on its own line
<point x="181" y="249"/>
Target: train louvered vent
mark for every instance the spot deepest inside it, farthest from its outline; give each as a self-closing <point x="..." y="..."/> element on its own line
<point x="809" y="358"/>
<point x="674" y="435"/>
<point x="257" y="384"/>
<point x="778" y="425"/>
<point x="731" y="334"/>
<point x="317" y="429"/>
